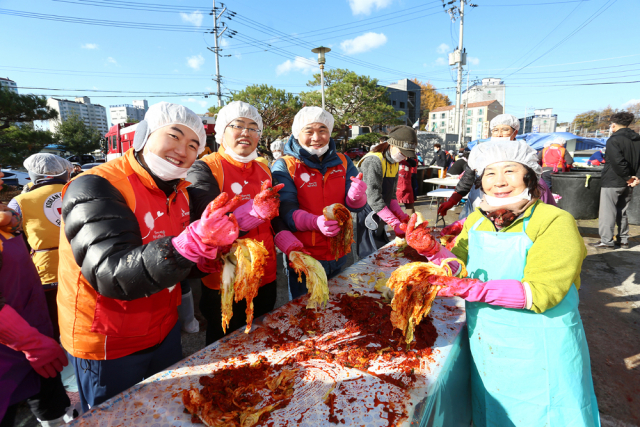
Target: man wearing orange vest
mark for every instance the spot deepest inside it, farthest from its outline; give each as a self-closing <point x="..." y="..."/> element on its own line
<point x="315" y="176"/>
<point x="125" y="245"/>
<point x="234" y="169"/>
<point x="40" y="208"/>
<point x="554" y="158"/>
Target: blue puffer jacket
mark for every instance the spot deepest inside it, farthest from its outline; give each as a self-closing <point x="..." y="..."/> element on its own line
<point x="289" y="194"/>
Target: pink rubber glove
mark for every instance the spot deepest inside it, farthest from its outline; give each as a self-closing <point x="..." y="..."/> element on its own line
<point x="201" y="239"/>
<point x="442" y="254"/>
<point x="399" y="230"/>
<point x="247" y="217"/>
<point x="357" y="195"/>
<point x="306" y="221"/>
<point x="287" y="242"/>
<point x="420" y="238"/>
<point x="266" y="204"/>
<point x="453" y="229"/>
<point x="505" y="293"/>
<point x="398" y="212"/>
<point x="44" y="354"/>
<point x="387" y="216"/>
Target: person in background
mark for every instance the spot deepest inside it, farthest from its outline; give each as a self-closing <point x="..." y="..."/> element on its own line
<point x="619" y="176"/>
<point x="439" y="158"/>
<point x="404" y="189"/>
<point x="380" y="172"/>
<point x="554" y="158"/>
<point x="504" y="127"/>
<point x="77" y="170"/>
<point x="315" y="176"/>
<point x="459" y="165"/>
<point x="30" y="359"/>
<point x="450" y="158"/>
<point x="207" y="150"/>
<point x="419" y="158"/>
<point x="413" y="163"/>
<point x="125" y="246"/>
<point x="40" y="210"/>
<point x="235" y="169"/>
<point x="597" y="158"/>
<point x="523" y="259"/>
<point x="277" y="149"/>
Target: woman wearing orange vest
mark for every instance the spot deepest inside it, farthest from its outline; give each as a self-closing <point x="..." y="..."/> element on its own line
<point x="234" y="169"/>
<point x="554" y="158"/>
<point x="315" y="176"/>
<point x="120" y="263"/>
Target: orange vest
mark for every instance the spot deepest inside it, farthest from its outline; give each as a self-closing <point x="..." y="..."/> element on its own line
<point x="553" y="157"/>
<point x="244" y="179"/>
<point x="315" y="192"/>
<point x="99" y="328"/>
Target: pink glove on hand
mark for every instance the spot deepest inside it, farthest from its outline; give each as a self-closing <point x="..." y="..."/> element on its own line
<point x="201" y="239"/>
<point x="419" y="238"/>
<point x="287" y="242"/>
<point x="266" y="204"/>
<point x="388" y="217"/>
<point x="357" y="195"/>
<point x="398" y="212"/>
<point x="306" y="221"/>
<point x="44" y="354"/>
<point x="247" y="217"/>
<point x="443" y="254"/>
<point x="505" y="293"/>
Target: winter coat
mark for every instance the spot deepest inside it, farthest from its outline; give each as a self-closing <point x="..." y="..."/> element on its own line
<point x="622" y="159"/>
<point x="380" y="173"/>
<point x="439" y="158"/>
<point x="404" y="190"/>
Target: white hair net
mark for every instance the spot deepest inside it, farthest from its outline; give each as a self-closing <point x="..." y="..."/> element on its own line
<point x="505" y="119"/>
<point x="165" y="114"/>
<point x="557" y="140"/>
<point x="277" y="145"/>
<point x="489" y="153"/>
<point x="47" y="165"/>
<point x="232" y="111"/>
<point x="310" y="115"/>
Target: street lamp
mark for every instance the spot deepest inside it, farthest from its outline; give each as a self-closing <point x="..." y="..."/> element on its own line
<point x="321" y="60"/>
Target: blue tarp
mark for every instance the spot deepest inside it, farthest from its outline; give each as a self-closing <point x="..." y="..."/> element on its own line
<point x="537" y="140"/>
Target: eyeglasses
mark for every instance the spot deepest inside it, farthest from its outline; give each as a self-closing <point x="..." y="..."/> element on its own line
<point x="503" y="131"/>
<point x="241" y="129"/>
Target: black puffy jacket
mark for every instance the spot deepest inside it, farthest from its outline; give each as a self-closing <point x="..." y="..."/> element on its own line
<point x="622" y="158"/>
<point x="107" y="243"/>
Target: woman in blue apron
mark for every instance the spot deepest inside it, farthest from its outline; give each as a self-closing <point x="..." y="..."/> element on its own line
<point x="531" y="362"/>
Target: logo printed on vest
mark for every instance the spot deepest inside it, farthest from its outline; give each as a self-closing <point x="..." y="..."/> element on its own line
<point x="53" y="208"/>
<point x="236" y="187"/>
<point x="335" y="171"/>
<point x="150" y="222"/>
<point x="306" y="177"/>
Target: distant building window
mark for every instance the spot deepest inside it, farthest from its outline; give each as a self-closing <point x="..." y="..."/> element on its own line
<point x="393" y="102"/>
<point x="442" y="124"/>
<point x="468" y="121"/>
<point x="479" y="119"/>
<point x="468" y="130"/>
<point x="480" y="111"/>
<point x="441" y="130"/>
<point x="433" y="116"/>
<point x="401" y="104"/>
<point x="469" y="112"/>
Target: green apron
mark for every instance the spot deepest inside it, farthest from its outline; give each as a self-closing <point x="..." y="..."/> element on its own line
<point x="528" y="369"/>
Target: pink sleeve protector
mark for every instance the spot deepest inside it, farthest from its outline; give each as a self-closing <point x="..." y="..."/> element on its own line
<point x="397" y="211"/>
<point x="190" y="246"/>
<point x="388" y="217"/>
<point x="357" y="195"/>
<point x="287" y="242"/>
<point x="247" y="217"/>
<point x="505" y="293"/>
<point x="305" y="221"/>
<point x="442" y="254"/>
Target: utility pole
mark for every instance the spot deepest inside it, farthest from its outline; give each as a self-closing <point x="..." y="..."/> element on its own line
<point x="216" y="49"/>
<point x="524" y="121"/>
<point x="460" y="57"/>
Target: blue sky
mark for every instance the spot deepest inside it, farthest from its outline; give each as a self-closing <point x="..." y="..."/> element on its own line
<point x="543" y="49"/>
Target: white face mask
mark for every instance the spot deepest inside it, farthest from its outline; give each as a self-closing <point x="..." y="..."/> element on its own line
<point x="163" y="169"/>
<point x="317" y="151"/>
<point x="276" y="155"/>
<point x="502" y="201"/>
<point x="500" y="139"/>
<point x="238" y="158"/>
<point x="397" y="156"/>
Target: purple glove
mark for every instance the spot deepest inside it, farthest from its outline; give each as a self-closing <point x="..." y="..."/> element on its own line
<point x="44" y="354"/>
<point x="247" y="217"/>
<point x="306" y="221"/>
<point x="287" y="242"/>
<point x="398" y="212"/>
<point x="505" y="293"/>
<point x="387" y="216"/>
<point x="357" y="195"/>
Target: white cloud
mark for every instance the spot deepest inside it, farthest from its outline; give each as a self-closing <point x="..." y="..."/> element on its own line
<point x="195" y="101"/>
<point x="195" y="61"/>
<point x="224" y="42"/>
<point x="111" y="60"/>
<point x="441" y="61"/>
<point x="473" y="60"/>
<point x="443" y="48"/>
<point x="365" y="6"/>
<point x="630" y="102"/>
<point x="363" y="43"/>
<point x="89" y="46"/>
<point x="304" y="65"/>
<point x="239" y="56"/>
<point x="193" y="18"/>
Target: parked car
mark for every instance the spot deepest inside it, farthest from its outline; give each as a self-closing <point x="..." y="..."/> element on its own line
<point x="84" y="158"/>
<point x="88" y="166"/>
<point x="354" y="153"/>
<point x="9" y="178"/>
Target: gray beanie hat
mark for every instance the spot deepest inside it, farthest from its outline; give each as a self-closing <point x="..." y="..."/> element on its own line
<point x="404" y="138"/>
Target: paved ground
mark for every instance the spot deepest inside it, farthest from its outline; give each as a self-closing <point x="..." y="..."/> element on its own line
<point x="610" y="309"/>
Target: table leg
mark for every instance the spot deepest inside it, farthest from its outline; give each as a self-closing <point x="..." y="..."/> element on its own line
<point x="438" y="217"/>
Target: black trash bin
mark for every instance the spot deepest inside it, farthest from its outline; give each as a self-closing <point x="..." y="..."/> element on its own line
<point x="580" y="196"/>
<point x="633" y="211"/>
